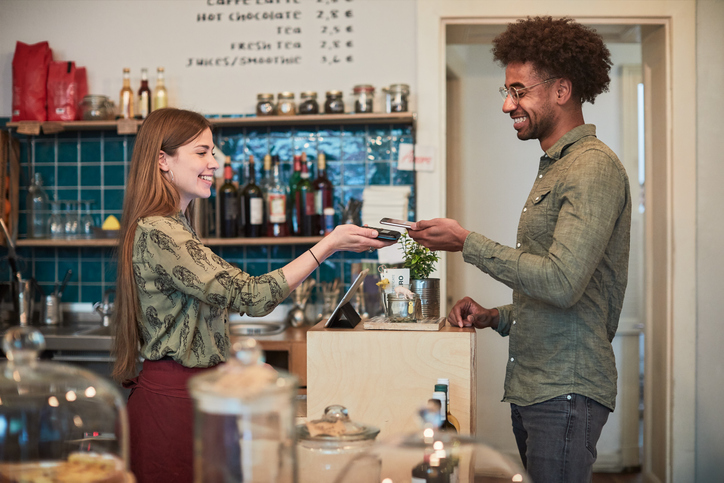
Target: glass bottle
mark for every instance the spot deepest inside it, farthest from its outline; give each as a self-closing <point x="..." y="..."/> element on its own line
<point x="364" y="95"/>
<point x="444" y="381"/>
<point x="441" y="395"/>
<point x="323" y="198"/>
<point x="37" y="207"/>
<point x="265" y="105"/>
<point x="126" y="105"/>
<point x="276" y="206"/>
<point x="160" y="95"/>
<point x="144" y="96"/>
<point x="334" y="103"/>
<point x="308" y="104"/>
<point x="285" y="104"/>
<point x="304" y="202"/>
<point x="294" y="180"/>
<point x="228" y="204"/>
<point x="253" y="204"/>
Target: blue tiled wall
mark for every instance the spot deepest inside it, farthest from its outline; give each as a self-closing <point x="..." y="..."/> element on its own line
<point x="93" y="165"/>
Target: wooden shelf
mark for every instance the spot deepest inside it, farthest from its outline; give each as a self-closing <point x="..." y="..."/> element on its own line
<point x="211" y="242"/>
<point x="131" y="126"/>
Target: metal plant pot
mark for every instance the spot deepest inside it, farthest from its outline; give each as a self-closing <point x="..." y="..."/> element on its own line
<point x="429" y="291"/>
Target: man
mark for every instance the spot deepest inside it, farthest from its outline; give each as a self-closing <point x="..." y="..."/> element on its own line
<point x="568" y="269"/>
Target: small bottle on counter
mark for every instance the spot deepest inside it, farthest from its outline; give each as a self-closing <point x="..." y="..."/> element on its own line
<point x="364" y="95"/>
<point x="160" y="96"/>
<point x="285" y="104"/>
<point x="396" y="97"/>
<point x="265" y="105"/>
<point x="125" y="107"/>
<point x="334" y="103"/>
<point x="308" y="104"/>
<point x="144" y="96"/>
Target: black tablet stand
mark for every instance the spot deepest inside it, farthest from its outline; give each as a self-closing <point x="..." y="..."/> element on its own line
<point x="344" y="318"/>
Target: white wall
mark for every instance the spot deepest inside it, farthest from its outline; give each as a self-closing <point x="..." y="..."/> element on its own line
<point x="496" y="173"/>
<point x="108" y="35"/>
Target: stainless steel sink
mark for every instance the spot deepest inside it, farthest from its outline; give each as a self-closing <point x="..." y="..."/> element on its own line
<point x="256" y="328"/>
<point x="100" y="331"/>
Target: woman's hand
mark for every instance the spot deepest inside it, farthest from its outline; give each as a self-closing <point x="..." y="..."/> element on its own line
<point x="353" y="238"/>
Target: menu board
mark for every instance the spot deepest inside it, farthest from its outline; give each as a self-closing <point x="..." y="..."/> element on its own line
<point x="218" y="54"/>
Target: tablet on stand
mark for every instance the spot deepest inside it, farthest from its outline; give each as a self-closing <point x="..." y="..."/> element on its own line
<point x="345" y="316"/>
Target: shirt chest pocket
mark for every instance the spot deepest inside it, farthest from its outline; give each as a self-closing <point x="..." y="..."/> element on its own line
<point x="537" y="212"/>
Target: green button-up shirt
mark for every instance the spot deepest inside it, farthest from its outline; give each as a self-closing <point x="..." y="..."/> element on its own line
<point x="186" y="292"/>
<point x="568" y="272"/>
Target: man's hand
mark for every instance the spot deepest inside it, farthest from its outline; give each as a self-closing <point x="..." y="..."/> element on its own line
<point x="468" y="313"/>
<point x="439" y="234"/>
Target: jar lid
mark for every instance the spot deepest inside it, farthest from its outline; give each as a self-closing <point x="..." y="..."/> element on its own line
<point x="367" y="88"/>
<point x="401" y="88"/>
<point x="336" y="426"/>
<point x="286" y="95"/>
<point x="308" y="95"/>
<point x="266" y="96"/>
<point x="334" y="93"/>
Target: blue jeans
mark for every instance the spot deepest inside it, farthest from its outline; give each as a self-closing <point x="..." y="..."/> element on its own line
<point x="557" y="438"/>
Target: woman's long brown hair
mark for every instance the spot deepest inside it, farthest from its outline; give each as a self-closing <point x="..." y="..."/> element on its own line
<point x="148" y="193"/>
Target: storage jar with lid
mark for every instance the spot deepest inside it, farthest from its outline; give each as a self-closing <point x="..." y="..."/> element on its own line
<point x="396" y="97"/>
<point x="265" y="105"/>
<point x="364" y="95"/>
<point x="244" y="420"/>
<point x="327" y="445"/>
<point x="334" y="103"/>
<point x="57" y="420"/>
<point x="285" y="104"/>
<point x="308" y="104"/>
<point x="96" y="108"/>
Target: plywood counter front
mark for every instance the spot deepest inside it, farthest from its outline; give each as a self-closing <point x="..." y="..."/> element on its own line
<point x="384" y="377"/>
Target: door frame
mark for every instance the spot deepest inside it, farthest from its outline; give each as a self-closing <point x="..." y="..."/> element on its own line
<point x="676" y="302"/>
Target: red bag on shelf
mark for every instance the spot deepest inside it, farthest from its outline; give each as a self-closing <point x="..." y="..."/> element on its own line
<point x="30" y="76"/>
<point x="67" y="86"/>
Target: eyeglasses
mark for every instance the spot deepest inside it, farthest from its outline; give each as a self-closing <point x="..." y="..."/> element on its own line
<point x="516" y="93"/>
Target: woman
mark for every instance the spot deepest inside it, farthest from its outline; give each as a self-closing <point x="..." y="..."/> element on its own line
<point x="173" y="294"/>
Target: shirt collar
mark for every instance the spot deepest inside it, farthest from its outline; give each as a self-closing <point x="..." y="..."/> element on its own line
<point x="555" y="152"/>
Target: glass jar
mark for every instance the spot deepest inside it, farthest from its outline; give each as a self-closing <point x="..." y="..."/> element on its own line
<point x="285" y="104"/>
<point x="334" y="103"/>
<point x="396" y="97"/>
<point x="265" y="105"/>
<point x="308" y="104"/>
<point x="244" y="420"/>
<point x="326" y="446"/>
<point x="96" y="108"/>
<point x="57" y="418"/>
<point x="364" y="95"/>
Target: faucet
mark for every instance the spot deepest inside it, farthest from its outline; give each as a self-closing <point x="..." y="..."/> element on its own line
<point x="105" y="308"/>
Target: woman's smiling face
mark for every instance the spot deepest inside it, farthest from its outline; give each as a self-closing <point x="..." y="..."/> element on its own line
<point x="193" y="168"/>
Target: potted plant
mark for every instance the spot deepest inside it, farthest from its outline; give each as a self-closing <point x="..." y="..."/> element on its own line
<point x="421" y="262"/>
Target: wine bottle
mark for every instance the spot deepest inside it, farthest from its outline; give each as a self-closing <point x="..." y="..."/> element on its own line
<point x="144" y="96"/>
<point x="441" y="395"/>
<point x="294" y="180"/>
<point x="276" y="206"/>
<point x="448" y="415"/>
<point x="160" y="96"/>
<point x="253" y="203"/>
<point x="323" y="198"/>
<point x="126" y="105"/>
<point x="304" y="203"/>
<point x="228" y="204"/>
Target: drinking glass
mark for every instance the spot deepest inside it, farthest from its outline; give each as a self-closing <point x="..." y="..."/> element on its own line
<point x="56" y="221"/>
<point x="86" y="222"/>
<point x="71" y="219"/>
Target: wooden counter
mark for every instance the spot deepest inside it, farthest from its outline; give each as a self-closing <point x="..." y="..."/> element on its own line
<point x="384" y="377"/>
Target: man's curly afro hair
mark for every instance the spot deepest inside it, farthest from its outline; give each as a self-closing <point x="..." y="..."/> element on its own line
<point x="558" y="48"/>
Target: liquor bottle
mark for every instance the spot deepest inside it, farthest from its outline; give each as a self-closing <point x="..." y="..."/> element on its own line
<point x="323" y="198"/>
<point x="438" y="465"/>
<point x="432" y="469"/>
<point x="276" y="205"/>
<point x="144" y="96"/>
<point x="441" y="395"/>
<point x="38" y="209"/>
<point x="228" y="204"/>
<point x="304" y="203"/>
<point x="160" y="96"/>
<point x="126" y="105"/>
<point x="294" y="180"/>
<point x="253" y="199"/>
<point x="266" y="177"/>
<point x="449" y="416"/>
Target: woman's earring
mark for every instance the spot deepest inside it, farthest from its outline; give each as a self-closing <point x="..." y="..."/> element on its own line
<point x="171" y="175"/>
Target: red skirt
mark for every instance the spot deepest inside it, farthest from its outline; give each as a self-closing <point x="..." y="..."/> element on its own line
<point x="161" y="423"/>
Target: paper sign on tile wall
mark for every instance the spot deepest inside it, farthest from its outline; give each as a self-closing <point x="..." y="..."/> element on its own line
<point x="424" y="158"/>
